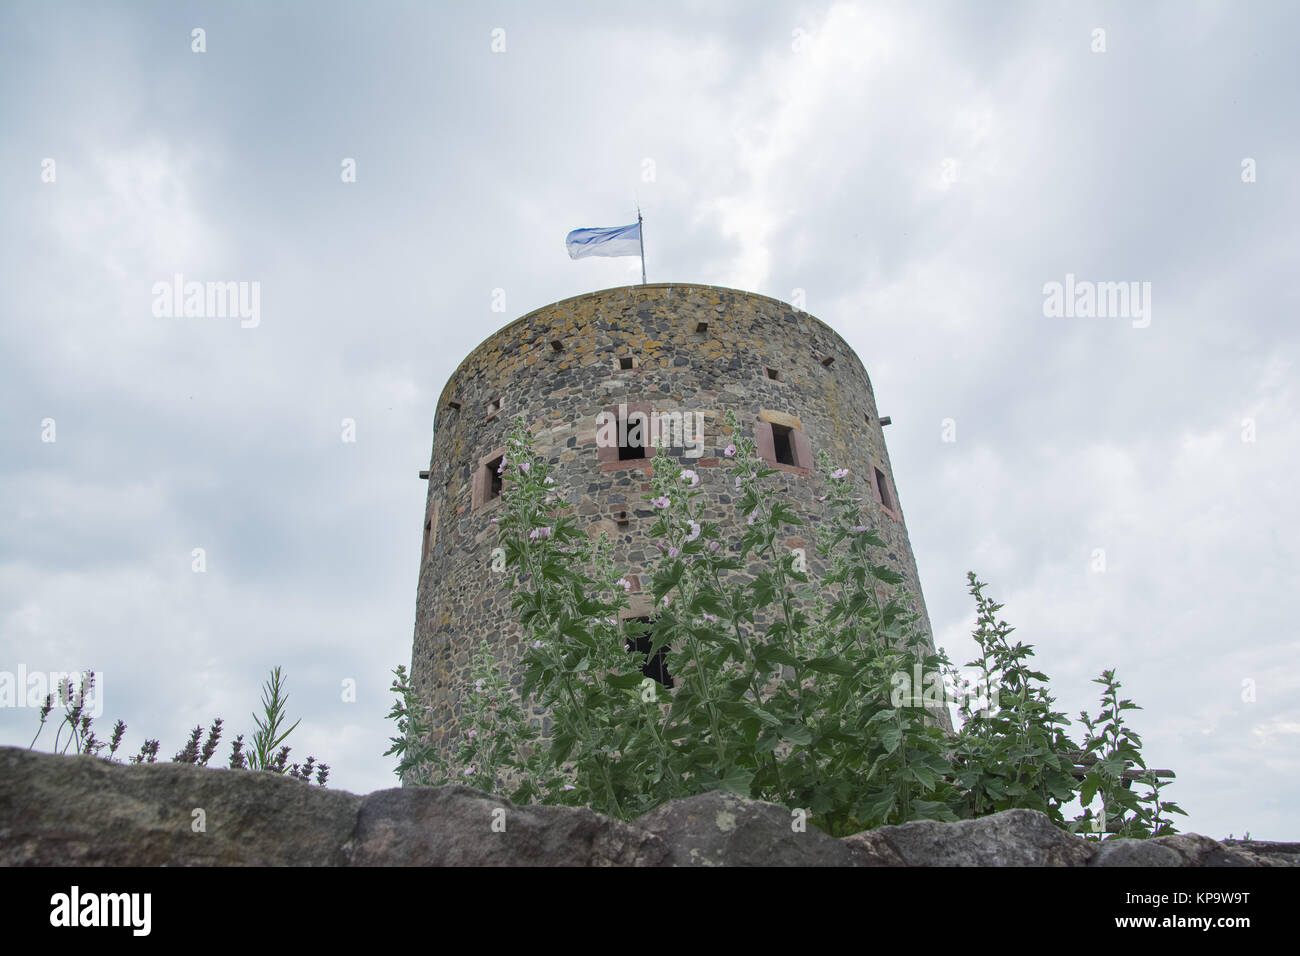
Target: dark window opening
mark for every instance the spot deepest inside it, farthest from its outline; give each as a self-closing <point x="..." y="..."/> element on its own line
<point x="620" y="517"/>
<point x="625" y="362"/>
<point x="632" y="436"/>
<point x="655" y="667"/>
<point x="454" y="406"/>
<point x="783" y="444"/>
<point x="885" y="498"/>
<point x="493" y="406"/>
<point x="774" y="375"/>
<point x="494" y="482"/>
<point x="828" y="361"/>
<point x="557" y="345"/>
<point x="701" y="326"/>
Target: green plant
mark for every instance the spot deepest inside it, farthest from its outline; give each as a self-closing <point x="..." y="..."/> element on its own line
<point x="1013" y="752"/>
<point x="1110" y="749"/>
<point x="787" y="685"/>
<point x="269" y="736"/>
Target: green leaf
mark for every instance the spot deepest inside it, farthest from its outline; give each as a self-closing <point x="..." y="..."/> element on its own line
<point x="738" y="781"/>
<point x="796" y="734"/>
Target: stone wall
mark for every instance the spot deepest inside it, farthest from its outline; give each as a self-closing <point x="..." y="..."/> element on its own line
<point x="694" y="349"/>
<point x="84" y="811"/>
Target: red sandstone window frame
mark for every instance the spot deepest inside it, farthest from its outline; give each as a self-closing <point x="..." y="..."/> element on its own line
<point x="885" y="494"/>
<point x="481" y="487"/>
<point x="800" y="447"/>
<point x="607" y="455"/>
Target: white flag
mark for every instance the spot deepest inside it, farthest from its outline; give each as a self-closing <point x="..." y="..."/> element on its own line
<point x="613" y="241"/>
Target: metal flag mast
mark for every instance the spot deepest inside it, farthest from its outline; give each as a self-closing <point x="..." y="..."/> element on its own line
<point x="641" y="239"/>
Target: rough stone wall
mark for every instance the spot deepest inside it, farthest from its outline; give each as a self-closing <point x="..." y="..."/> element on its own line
<point x="823" y="389"/>
<point x="83" y="811"/>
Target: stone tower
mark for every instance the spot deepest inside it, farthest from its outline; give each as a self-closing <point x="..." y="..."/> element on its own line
<point x="792" y="382"/>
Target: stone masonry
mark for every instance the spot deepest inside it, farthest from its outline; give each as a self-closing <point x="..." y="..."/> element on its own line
<point x="663" y="348"/>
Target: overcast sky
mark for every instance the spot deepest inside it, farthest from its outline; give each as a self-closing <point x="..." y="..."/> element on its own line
<point x="920" y="171"/>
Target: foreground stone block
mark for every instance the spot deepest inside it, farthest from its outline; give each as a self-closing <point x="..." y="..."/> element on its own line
<point x="1134" y="853"/>
<point x="83" y="811"/>
<point x="722" y="829"/>
<point x="1010" y="838"/>
<point x="459" y="826"/>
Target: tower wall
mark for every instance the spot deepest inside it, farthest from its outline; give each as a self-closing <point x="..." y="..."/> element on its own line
<point x="560" y="392"/>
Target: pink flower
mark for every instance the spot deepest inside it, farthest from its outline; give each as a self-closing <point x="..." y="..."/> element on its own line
<point x="549" y="480"/>
<point x="569" y="786"/>
<point x="525" y="466"/>
<point x="860" y="527"/>
<point x="737" y="481"/>
<point x="695" y="531"/>
<point x="840" y="473"/>
<point x="751" y="518"/>
<point x="691" y="477"/>
<point x="627" y="585"/>
<point x="662" y="501"/>
<point x="713" y="546"/>
<point x="538" y="533"/>
<point x="822" y="498"/>
<point x="673" y="552"/>
<point x="472" y="734"/>
<point x="501" y="467"/>
<point x="730" y="451"/>
<point x="469" y="771"/>
<point x="536" y="644"/>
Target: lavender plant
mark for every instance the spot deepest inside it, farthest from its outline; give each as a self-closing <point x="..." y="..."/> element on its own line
<point x="78" y="724"/>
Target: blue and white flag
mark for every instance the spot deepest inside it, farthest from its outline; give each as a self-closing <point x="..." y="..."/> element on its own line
<point x="613" y="241"/>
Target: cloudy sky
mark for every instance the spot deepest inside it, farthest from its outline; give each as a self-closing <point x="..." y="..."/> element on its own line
<point x="919" y="172"/>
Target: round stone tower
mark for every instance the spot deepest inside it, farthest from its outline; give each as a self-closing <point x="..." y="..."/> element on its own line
<point x="679" y="355"/>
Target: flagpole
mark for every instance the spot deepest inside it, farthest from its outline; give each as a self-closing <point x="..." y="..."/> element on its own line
<point x="641" y="239"/>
